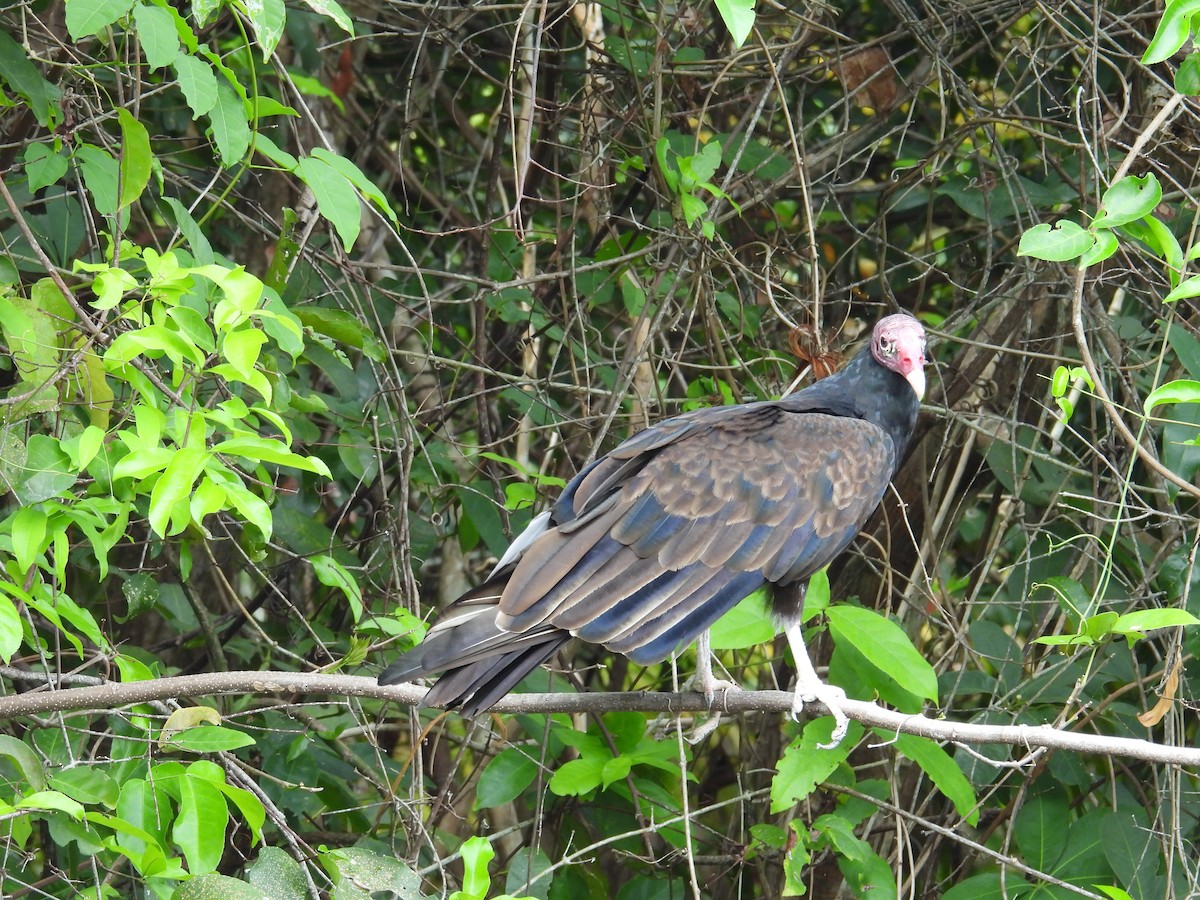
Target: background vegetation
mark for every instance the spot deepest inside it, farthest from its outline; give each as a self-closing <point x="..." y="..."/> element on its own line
<point x="305" y="308"/>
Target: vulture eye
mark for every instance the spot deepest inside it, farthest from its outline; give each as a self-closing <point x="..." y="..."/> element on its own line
<point x="887" y="346"/>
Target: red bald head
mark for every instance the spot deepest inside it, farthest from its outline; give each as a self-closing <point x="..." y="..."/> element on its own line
<point x="898" y="343"/>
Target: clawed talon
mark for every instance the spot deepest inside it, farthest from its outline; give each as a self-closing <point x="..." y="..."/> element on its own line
<point x="810" y="687"/>
<point x="829" y="695"/>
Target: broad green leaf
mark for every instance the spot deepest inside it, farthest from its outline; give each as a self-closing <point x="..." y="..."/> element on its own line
<point x="186" y="717"/>
<point x="275" y="874"/>
<point x="10" y="630"/>
<point x="355" y="176"/>
<point x="169" y="495"/>
<point x="51" y="800"/>
<point x="201" y="248"/>
<point x="1189" y="287"/>
<point x="332" y="573"/>
<point x="578" y="776"/>
<point x="941" y="769"/>
<point x="1040" y="829"/>
<point x="135" y="158"/>
<point x="343" y="327"/>
<point x="157" y="35"/>
<point x="242" y="347"/>
<point x="476" y="853"/>
<point x="506" y="777"/>
<point x="43" y="166"/>
<point x="90" y="785"/>
<point x="209" y="739"/>
<point x="1187" y="76"/>
<point x="269" y="450"/>
<point x="1143" y="620"/>
<point x="746" y="625"/>
<point x="46" y="471"/>
<point x="1163" y="241"/>
<point x="1063" y="241"/>
<point x="1181" y="391"/>
<point x="228" y="125"/>
<point x="101" y="174"/>
<point x="1173" y="31"/>
<point x="28" y="532"/>
<point x="212" y="885"/>
<point x="738" y="16"/>
<point x="1105" y="246"/>
<point x="1133" y="197"/>
<point x="196" y="79"/>
<point x="331" y="9"/>
<point x="336" y="198"/>
<point x="199" y="829"/>
<point x="267" y="18"/>
<point x="87" y="17"/>
<point x="525" y="879"/>
<point x="30" y="766"/>
<point x="23" y="77"/>
<point x="804" y="765"/>
<point x="885" y="645"/>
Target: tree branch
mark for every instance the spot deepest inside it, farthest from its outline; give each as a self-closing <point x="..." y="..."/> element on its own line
<point x="112" y="695"/>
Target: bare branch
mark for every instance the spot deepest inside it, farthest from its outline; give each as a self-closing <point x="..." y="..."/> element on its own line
<point x="113" y="695"/>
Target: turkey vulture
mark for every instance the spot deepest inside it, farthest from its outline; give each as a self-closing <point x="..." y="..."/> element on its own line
<point x="650" y="544"/>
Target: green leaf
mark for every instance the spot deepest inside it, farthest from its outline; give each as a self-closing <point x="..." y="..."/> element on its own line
<point x="269" y="450"/>
<point x="885" y="645"/>
<point x="43" y="166"/>
<point x="241" y="347"/>
<point x="228" y="125"/>
<point x="746" y="625"/>
<point x="10" y="630"/>
<point x="355" y="176"/>
<point x="578" y="776"/>
<point x="196" y="79"/>
<point x="23" y="757"/>
<point x="28" y="530"/>
<point x="1181" y="391"/>
<point x="46" y="471"/>
<point x="331" y="9"/>
<point x="1163" y="241"/>
<point x="738" y="16"/>
<point x="941" y="769"/>
<point x="342" y="327"/>
<point x="804" y="765"/>
<point x="22" y="76"/>
<point x="1066" y="240"/>
<point x="275" y="874"/>
<point x="1187" y="76"/>
<point x="1105" y="246"/>
<point x="157" y="34"/>
<point x="210" y="739"/>
<point x="476" y="853"/>
<point x="332" y="573"/>
<point x="88" y="17"/>
<point x="267" y="18"/>
<point x="506" y="777"/>
<point x="336" y="198"/>
<point x="90" y="785"/>
<point x="169" y="495"/>
<point x="1189" y="287"/>
<point x="101" y="174"/>
<point x="199" y="829"/>
<point x="1173" y="31"/>
<point x="213" y="885"/>
<point x="1135" y="624"/>
<point x="135" y="158"/>
<point x="1132" y="198"/>
<point x="51" y="800"/>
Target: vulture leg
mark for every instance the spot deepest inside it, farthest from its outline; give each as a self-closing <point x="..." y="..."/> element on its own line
<point x="809" y="687"/>
<point x="703" y="682"/>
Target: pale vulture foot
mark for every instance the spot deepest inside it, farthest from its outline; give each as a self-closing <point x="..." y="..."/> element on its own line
<point x="810" y="687"/>
<point x="704" y="682"/>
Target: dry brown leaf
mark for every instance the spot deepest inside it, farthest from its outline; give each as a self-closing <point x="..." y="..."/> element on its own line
<point x="1154" y="715"/>
<point x="869" y="75"/>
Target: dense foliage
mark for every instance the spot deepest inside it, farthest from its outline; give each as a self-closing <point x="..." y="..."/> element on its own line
<point x="306" y="308"/>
